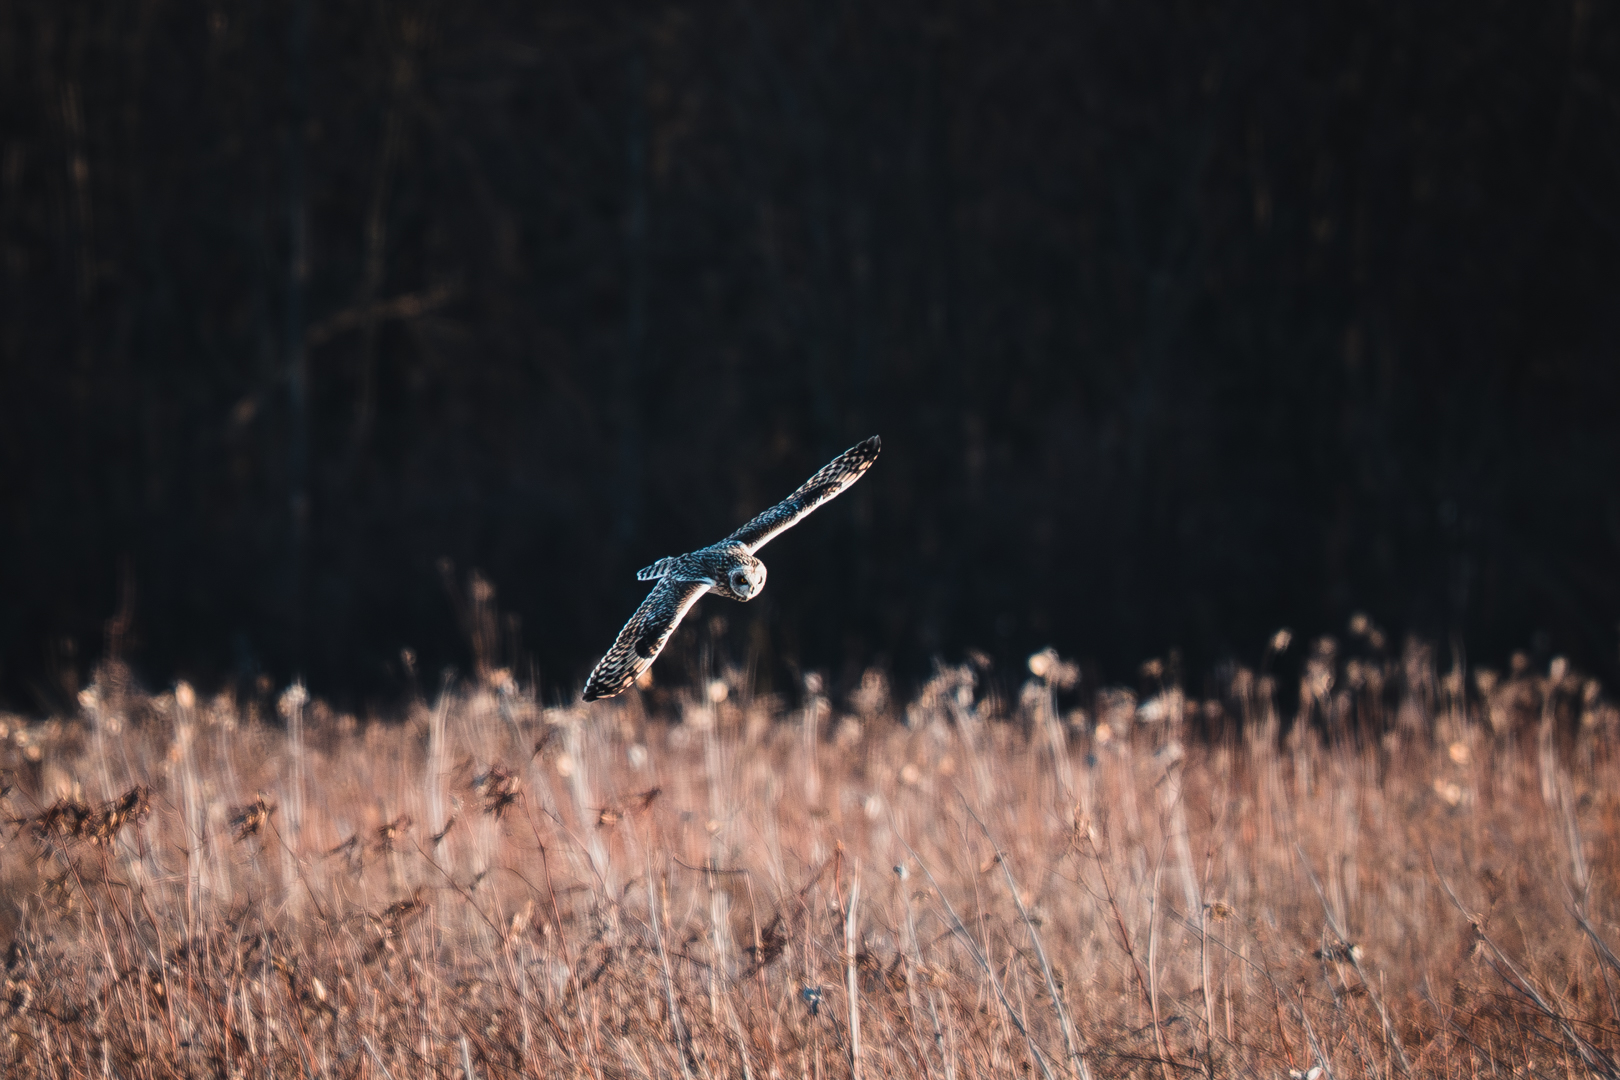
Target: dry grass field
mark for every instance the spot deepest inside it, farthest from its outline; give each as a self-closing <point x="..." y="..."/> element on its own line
<point x="1417" y="876"/>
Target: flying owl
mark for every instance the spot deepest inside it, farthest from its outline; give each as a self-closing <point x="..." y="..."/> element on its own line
<point x="728" y="569"/>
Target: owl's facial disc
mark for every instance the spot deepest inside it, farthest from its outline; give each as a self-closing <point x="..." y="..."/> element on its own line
<point x="747" y="581"/>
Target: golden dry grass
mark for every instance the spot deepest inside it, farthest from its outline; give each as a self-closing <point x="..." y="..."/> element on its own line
<point x="1419" y="879"/>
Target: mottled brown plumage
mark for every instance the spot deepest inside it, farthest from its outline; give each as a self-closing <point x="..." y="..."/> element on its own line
<point x="728" y="568"/>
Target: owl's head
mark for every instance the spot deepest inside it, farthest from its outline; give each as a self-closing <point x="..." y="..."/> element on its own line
<point x="746" y="578"/>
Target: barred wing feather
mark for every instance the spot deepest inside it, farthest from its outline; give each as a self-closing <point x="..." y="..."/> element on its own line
<point x="643" y="637"/>
<point x="827" y="484"/>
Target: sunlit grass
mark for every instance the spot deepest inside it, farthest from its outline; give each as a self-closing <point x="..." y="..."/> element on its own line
<point x="1420" y="878"/>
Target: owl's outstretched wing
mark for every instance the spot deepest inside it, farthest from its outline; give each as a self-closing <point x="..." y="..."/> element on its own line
<point x="827" y="484"/>
<point x="643" y="637"/>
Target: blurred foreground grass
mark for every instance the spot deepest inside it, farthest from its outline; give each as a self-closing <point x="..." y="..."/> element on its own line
<point x="1416" y="876"/>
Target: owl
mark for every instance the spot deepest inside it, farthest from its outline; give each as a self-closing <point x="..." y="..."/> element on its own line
<point x="729" y="568"/>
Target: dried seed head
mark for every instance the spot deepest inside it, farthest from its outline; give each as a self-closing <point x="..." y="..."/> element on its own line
<point x="247" y="820"/>
<point x="498" y="787"/>
<point x="391" y="831"/>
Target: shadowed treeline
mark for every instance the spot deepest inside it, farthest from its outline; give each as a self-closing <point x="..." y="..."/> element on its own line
<point x="1179" y="324"/>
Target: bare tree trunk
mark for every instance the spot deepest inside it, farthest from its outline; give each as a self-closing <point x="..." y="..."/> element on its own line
<point x="297" y="356"/>
<point x="402" y="62"/>
<point x="626" y="405"/>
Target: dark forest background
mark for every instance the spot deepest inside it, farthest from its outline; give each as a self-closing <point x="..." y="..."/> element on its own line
<point x="1180" y="323"/>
